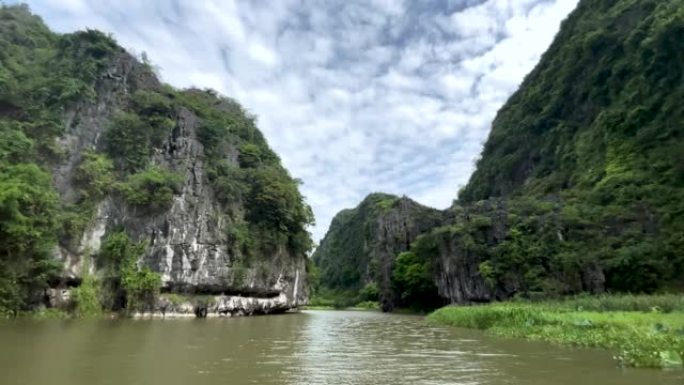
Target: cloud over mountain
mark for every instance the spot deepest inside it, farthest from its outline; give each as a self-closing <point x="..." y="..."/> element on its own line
<point x="355" y="96"/>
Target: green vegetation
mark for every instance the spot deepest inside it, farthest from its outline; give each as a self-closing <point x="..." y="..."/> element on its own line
<point x="86" y="297"/>
<point x="580" y="187"/>
<point x="275" y="211"/>
<point x="139" y="285"/>
<point x="47" y="81"/>
<point x="595" y="132"/>
<point x="639" y="339"/>
<point x="152" y="188"/>
<point x="662" y="303"/>
<point x="343" y="256"/>
<point x="356" y="259"/>
<point x="412" y="279"/>
<point x="334" y="299"/>
<point x="40" y="74"/>
<point x="28" y="231"/>
<point x="134" y="134"/>
<point x="95" y="174"/>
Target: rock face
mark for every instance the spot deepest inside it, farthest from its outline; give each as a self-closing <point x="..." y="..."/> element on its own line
<point x="395" y="229"/>
<point x="483" y="232"/>
<point x="581" y="179"/>
<point x="218" y="306"/>
<point x="459" y="245"/>
<point x="362" y="243"/>
<point x="187" y="242"/>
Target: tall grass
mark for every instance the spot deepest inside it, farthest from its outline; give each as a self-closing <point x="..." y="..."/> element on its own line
<point x="664" y="303"/>
<point x="638" y="339"/>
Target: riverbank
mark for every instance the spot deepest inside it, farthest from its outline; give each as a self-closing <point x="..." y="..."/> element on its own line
<point x="641" y="331"/>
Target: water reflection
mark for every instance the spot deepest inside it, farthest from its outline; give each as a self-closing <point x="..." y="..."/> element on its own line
<point x="305" y="348"/>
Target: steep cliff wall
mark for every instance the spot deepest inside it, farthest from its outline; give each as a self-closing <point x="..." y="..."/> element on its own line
<point x="580" y="187"/>
<point x="184" y="177"/>
<point x="362" y="244"/>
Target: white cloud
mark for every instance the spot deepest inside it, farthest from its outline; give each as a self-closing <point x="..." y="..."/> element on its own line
<point x="355" y="96"/>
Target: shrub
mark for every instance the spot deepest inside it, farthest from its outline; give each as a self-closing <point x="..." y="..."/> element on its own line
<point x="153" y="188"/>
<point x="95" y="174"/>
<point x="86" y="297"/>
<point x="369" y="292"/>
<point x="141" y="285"/>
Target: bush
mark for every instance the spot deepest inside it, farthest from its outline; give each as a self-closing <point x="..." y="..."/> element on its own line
<point x="95" y="174"/>
<point x="413" y="281"/>
<point x="141" y="285"/>
<point x="86" y="297"/>
<point x="153" y="188"/>
<point x="28" y="211"/>
<point x="370" y="292"/>
<point x="127" y="141"/>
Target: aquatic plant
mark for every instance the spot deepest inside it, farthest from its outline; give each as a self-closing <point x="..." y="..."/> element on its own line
<point x="637" y="339"/>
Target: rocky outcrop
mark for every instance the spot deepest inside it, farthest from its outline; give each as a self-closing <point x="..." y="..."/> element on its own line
<point x="187" y="242"/>
<point x="491" y="231"/>
<point x="394" y="231"/>
<point x="217" y="306"/>
<point x="485" y="251"/>
<point x="363" y="243"/>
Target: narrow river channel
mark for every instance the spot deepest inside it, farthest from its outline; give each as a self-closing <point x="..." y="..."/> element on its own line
<point x="311" y="347"/>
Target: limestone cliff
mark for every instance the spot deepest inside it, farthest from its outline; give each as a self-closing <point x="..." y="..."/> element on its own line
<point x="580" y="187"/>
<point x="361" y="246"/>
<point x="185" y="174"/>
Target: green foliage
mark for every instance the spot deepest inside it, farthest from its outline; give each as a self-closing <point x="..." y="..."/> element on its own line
<point x="133" y="135"/>
<point x="412" y="278"/>
<point x="15" y="147"/>
<point x="46" y="80"/>
<point x="367" y="305"/>
<point x="28" y="205"/>
<point x="86" y="297"/>
<point x="152" y="188"/>
<point x="387" y="203"/>
<point x="275" y="210"/>
<point x="370" y="292"/>
<point x="639" y="339"/>
<point x="358" y="253"/>
<point x="140" y="284"/>
<point x="118" y="250"/>
<point x="665" y="303"/>
<point x="313" y="276"/>
<point x="95" y="174"/>
<point x="175" y="298"/>
<point x="41" y="72"/>
<point x="327" y="298"/>
<point x="127" y="141"/>
<point x="238" y="274"/>
<point x="250" y="155"/>
<point x="274" y="203"/>
<point x="598" y="124"/>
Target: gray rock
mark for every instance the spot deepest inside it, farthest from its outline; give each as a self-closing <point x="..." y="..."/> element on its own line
<point x="186" y="243"/>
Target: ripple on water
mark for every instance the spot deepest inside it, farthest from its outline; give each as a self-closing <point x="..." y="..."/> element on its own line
<point x="354" y="348"/>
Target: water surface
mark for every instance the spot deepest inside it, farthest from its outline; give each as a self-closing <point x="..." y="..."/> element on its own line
<point x="312" y="347"/>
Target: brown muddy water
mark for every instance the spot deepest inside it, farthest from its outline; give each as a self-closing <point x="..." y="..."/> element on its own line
<point x="310" y="347"/>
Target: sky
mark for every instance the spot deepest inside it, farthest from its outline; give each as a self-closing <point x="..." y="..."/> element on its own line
<point x="356" y="96"/>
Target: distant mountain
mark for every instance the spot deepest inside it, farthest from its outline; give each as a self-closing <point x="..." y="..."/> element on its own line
<point x="580" y="187"/>
<point x="360" y="248"/>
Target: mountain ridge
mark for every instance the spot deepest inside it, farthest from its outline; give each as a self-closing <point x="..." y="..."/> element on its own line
<point x="580" y="184"/>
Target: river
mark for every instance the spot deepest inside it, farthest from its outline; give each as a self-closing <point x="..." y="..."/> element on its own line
<point x="310" y="347"/>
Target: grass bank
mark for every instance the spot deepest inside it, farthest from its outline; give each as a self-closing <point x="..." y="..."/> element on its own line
<point x="361" y="306"/>
<point x="641" y="331"/>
